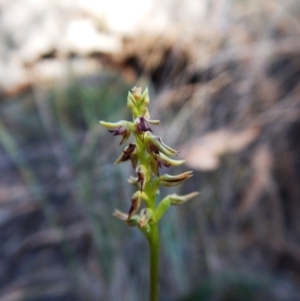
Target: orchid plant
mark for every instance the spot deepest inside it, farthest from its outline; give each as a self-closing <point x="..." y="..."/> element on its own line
<point x="147" y="155"/>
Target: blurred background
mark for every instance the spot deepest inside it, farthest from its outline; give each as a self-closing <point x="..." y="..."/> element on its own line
<point x="224" y="79"/>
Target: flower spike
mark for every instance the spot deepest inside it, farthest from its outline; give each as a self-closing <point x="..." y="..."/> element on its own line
<point x="148" y="153"/>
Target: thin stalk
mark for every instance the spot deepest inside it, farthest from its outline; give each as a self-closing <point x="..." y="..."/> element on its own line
<point x="154" y="262"/>
<point x="153" y="236"/>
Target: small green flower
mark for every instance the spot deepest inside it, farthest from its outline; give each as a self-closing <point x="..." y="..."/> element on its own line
<point x="159" y="160"/>
<point x="129" y="153"/>
<point x="119" y="128"/>
<point x="146" y="216"/>
<point x="142" y="124"/>
<point x="155" y="145"/>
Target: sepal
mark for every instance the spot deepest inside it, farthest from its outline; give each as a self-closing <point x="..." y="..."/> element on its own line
<point x="114" y="125"/>
<point x="181" y="199"/>
<point x="170" y="181"/>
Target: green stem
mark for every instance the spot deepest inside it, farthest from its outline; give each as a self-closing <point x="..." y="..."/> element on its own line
<point x="154" y="262"/>
<point x="153" y="236"/>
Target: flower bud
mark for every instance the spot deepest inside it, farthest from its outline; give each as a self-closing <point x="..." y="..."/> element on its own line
<point x="132" y="105"/>
<point x="137" y="92"/>
<point x="162" y="208"/>
<point x="170" y="181"/>
<point x="141" y="101"/>
<point x="145" y="99"/>
<point x="131" y="99"/>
